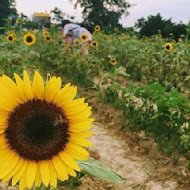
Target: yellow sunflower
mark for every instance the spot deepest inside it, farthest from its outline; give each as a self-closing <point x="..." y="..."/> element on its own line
<point x="146" y="39"/>
<point x="144" y="50"/>
<point x="75" y="41"/>
<point x="43" y="130"/>
<point x="84" y="37"/>
<point x="17" y="21"/>
<point x="11" y="37"/>
<point x="94" y="44"/>
<point x="116" y="29"/>
<point x="173" y="42"/>
<point x="97" y="28"/>
<point x="29" y="39"/>
<point x="47" y="38"/>
<point x="168" y="46"/>
<point x="45" y="33"/>
<point x="180" y="40"/>
<point x="113" y="61"/>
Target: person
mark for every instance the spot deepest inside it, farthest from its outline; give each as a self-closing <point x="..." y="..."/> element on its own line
<point x="72" y="32"/>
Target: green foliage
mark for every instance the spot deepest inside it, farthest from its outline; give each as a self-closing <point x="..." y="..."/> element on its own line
<point x="95" y="168"/>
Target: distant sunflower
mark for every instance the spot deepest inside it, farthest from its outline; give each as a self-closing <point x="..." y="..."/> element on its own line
<point x="84" y="37"/>
<point x="97" y="28"/>
<point x="17" y="21"/>
<point x="113" y="61"/>
<point x="116" y="29"/>
<point x="144" y="50"/>
<point x="123" y="36"/>
<point x="94" y="44"/>
<point x="45" y="33"/>
<point x="146" y="39"/>
<point x="168" y="46"/>
<point x="180" y="40"/>
<point x="47" y="39"/>
<point x="43" y="129"/>
<point x="29" y="39"/>
<point x="11" y="37"/>
<point x="173" y="42"/>
<point x="75" y="41"/>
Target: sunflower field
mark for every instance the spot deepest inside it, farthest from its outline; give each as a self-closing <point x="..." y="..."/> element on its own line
<point x="147" y="80"/>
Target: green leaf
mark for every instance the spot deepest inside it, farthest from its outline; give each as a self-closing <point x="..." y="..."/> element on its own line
<point x="95" y="168"/>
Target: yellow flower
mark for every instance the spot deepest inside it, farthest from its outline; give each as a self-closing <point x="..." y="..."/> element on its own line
<point x="113" y="61"/>
<point x="160" y="35"/>
<point x="47" y="39"/>
<point x="180" y="40"/>
<point x="84" y="37"/>
<point x="17" y="21"/>
<point x="146" y="39"/>
<point x="123" y="36"/>
<point x="43" y="130"/>
<point x="173" y="42"/>
<point x="11" y="37"/>
<point x="29" y="39"/>
<point x="75" y="41"/>
<point x="144" y="50"/>
<point x="94" y="44"/>
<point x="174" y="50"/>
<point x="97" y="28"/>
<point x="116" y="29"/>
<point x="45" y="33"/>
<point x="168" y="46"/>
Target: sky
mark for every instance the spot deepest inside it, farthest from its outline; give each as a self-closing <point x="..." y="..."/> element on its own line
<point x="177" y="10"/>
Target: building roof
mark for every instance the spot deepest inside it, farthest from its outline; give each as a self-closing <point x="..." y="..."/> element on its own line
<point x="41" y="14"/>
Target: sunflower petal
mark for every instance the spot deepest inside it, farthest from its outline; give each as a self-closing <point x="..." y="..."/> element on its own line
<point x="60" y="168"/>
<point x="53" y="176"/>
<point x="38" y="86"/>
<point x="45" y="173"/>
<point x="67" y="159"/>
<point x="30" y="174"/>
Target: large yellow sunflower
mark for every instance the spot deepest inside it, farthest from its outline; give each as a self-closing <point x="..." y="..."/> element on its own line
<point x="29" y="39"/>
<point x="43" y="129"/>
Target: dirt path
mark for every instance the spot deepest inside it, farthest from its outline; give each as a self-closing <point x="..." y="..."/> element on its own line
<point x="132" y="155"/>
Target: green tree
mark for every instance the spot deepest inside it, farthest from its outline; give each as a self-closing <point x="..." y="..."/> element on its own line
<point x="105" y="13"/>
<point x="4" y="11"/>
<point x="154" y="24"/>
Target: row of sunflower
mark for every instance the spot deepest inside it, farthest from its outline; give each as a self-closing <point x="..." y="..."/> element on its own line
<point x="29" y="38"/>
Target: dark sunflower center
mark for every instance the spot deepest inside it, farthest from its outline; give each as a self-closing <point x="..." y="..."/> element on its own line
<point x="10" y="38"/>
<point x="37" y="130"/>
<point x="48" y="38"/>
<point x="167" y="47"/>
<point x="29" y="39"/>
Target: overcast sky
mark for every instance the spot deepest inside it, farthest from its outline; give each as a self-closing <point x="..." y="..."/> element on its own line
<point x="178" y="10"/>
